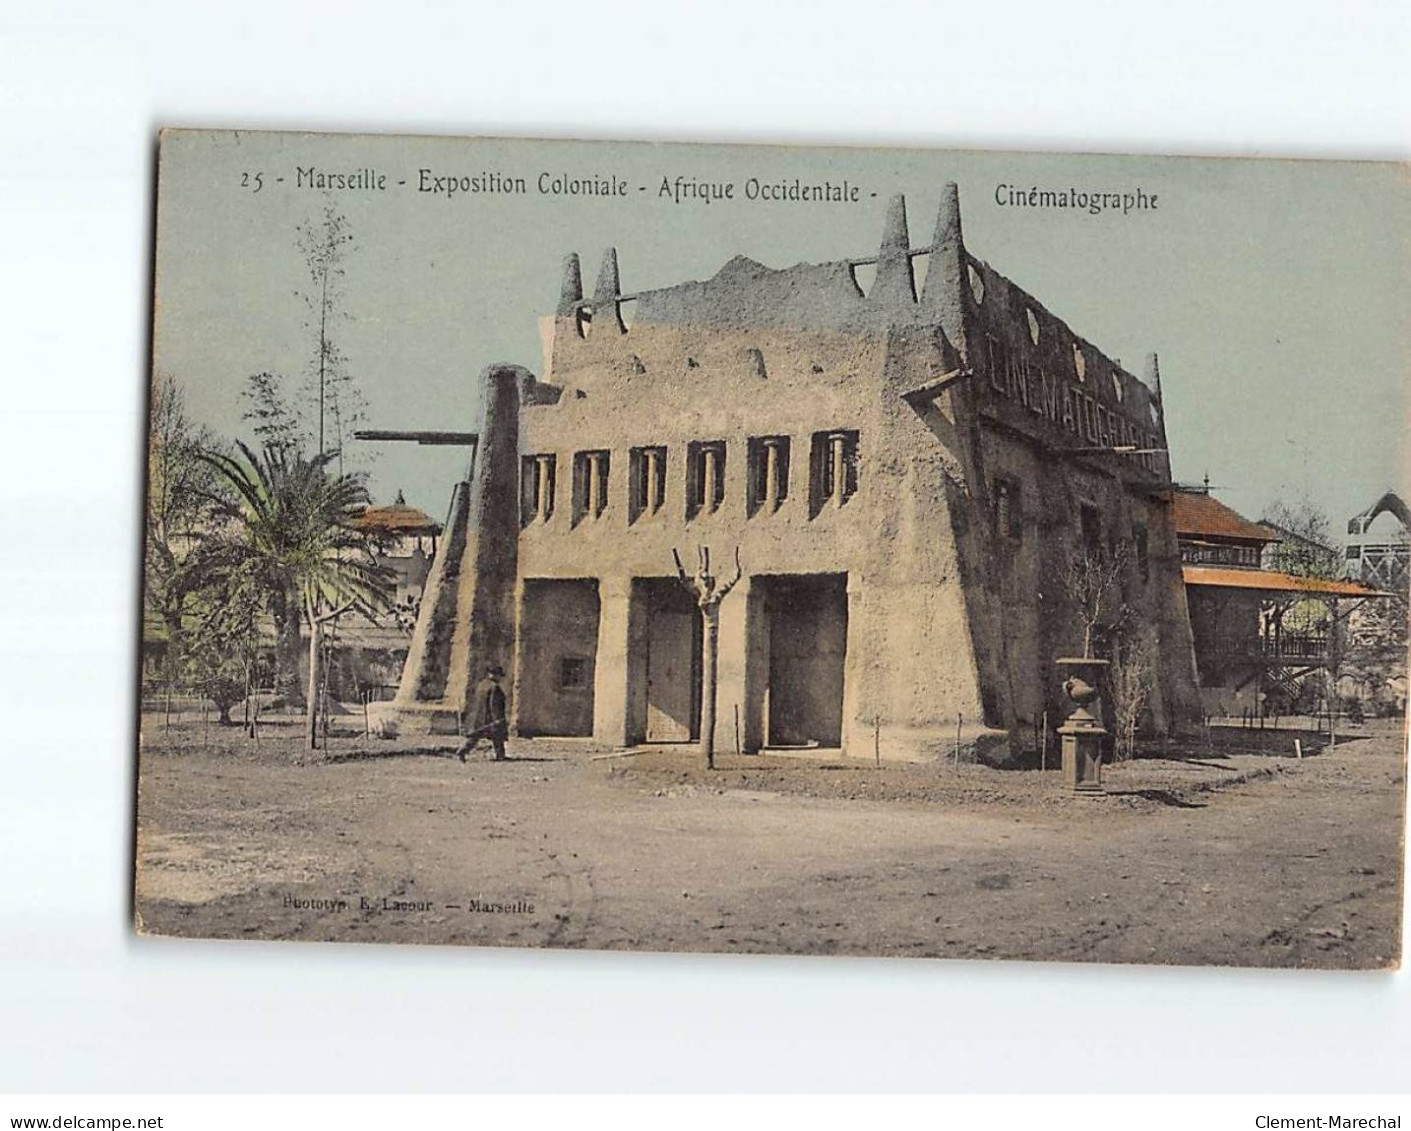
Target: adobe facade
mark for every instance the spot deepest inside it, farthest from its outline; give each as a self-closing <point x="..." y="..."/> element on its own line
<point x="903" y="450"/>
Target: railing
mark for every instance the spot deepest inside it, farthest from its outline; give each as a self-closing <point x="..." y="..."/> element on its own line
<point x="1286" y="646"/>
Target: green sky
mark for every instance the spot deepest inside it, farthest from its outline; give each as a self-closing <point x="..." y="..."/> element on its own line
<point x="1276" y="292"/>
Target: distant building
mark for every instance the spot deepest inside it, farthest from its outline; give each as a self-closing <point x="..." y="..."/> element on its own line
<point x="1381" y="557"/>
<point x="406" y="542"/>
<point x="1259" y="632"/>
<point x="367" y="656"/>
<point x="1378" y="554"/>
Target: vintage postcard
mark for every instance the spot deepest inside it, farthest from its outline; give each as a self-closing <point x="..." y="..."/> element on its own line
<point x="787" y="550"/>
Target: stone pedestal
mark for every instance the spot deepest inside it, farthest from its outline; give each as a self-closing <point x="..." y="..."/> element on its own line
<point x="1082" y="757"/>
<point x="1082" y="733"/>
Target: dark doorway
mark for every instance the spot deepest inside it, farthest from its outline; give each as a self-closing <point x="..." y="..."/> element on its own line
<point x="808" y="633"/>
<point x="558" y="650"/>
<point x="673" y="662"/>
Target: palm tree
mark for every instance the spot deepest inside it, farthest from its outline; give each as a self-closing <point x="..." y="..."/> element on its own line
<point x="295" y="521"/>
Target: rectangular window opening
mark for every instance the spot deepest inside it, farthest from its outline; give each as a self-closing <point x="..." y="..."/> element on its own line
<point x="573" y="673"/>
<point x="705" y="477"/>
<point x="537" y="474"/>
<point x="647" y="489"/>
<point x="590" y="484"/>
<point x="768" y="473"/>
<point x="833" y="469"/>
<point x="1008" y="514"/>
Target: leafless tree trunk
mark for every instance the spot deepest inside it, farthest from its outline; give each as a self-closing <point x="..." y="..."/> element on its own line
<point x="710" y="677"/>
<point x="1132" y="674"/>
<point x="315" y="672"/>
<point x="708" y="593"/>
<point x="317" y="689"/>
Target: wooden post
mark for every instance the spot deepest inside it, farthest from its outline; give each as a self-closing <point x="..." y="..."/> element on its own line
<point x="1043" y="749"/>
<point x="959" y="718"/>
<point x="1298" y="748"/>
<point x="738" y="749"/>
<point x="877" y="739"/>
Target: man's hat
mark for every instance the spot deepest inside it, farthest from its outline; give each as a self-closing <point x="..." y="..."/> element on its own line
<point x="496" y="670"/>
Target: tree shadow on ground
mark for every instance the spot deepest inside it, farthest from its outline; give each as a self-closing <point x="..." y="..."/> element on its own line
<point x="1160" y="796"/>
<point x="342" y="756"/>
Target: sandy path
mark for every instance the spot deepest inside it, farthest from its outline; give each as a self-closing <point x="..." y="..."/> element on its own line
<point x="1301" y="867"/>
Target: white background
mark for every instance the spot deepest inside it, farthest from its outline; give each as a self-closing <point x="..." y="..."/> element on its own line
<point x="83" y="88"/>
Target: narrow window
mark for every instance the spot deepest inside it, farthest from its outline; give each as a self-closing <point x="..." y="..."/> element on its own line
<point x="590" y="485"/>
<point x="647" y="472"/>
<point x="705" y="477"/>
<point x="1008" y="515"/>
<point x="1091" y="524"/>
<point x="1139" y="539"/>
<point x="768" y="473"/>
<point x="999" y="365"/>
<point x="832" y="469"/>
<point x="536" y="488"/>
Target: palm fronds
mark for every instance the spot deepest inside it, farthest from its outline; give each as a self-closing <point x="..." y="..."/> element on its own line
<point x="295" y="520"/>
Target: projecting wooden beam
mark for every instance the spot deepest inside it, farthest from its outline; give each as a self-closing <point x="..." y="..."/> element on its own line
<point x="932" y="389"/>
<point x="442" y="439"/>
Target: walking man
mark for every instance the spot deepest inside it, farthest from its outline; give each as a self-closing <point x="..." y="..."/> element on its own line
<point x="491" y="716"/>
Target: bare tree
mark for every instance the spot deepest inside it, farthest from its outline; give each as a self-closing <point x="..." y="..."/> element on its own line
<point x="708" y="592"/>
<point x="1133" y="666"/>
<point x="1092" y="581"/>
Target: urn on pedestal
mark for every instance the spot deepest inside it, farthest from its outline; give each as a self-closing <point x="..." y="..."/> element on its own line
<point x="1082" y="732"/>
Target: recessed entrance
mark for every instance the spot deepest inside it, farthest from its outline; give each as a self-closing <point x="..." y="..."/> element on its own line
<point x="806" y="619"/>
<point x="673" y="661"/>
<point x="558" y="650"/>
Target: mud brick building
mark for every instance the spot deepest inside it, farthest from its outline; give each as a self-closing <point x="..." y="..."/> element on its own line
<point x="904" y="448"/>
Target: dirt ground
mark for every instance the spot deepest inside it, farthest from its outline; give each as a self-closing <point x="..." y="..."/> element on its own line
<point x="1225" y="856"/>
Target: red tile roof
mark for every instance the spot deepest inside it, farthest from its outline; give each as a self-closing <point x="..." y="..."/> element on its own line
<point x="397" y="520"/>
<point x="1270" y="582"/>
<point x="1200" y="515"/>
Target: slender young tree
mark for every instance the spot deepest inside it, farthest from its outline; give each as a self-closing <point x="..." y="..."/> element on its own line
<point x="296" y="524"/>
<point x="326" y="241"/>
